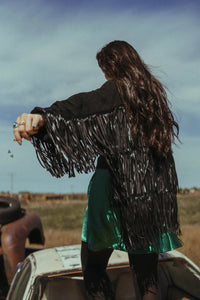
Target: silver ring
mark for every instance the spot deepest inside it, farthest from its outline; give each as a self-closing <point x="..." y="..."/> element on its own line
<point x="16" y="124"/>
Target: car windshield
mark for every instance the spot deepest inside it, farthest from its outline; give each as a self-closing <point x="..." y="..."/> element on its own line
<point x="20" y="282"/>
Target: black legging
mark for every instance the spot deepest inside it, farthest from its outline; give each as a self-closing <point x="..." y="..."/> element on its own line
<point x="96" y="280"/>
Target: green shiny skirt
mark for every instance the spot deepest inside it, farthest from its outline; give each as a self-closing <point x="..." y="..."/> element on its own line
<point x="101" y="227"/>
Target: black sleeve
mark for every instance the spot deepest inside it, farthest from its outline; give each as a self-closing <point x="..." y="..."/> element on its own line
<point x="81" y="105"/>
<point x="77" y="130"/>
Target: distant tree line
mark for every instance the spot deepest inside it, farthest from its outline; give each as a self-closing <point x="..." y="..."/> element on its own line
<point x="184" y="191"/>
<point x="28" y="196"/>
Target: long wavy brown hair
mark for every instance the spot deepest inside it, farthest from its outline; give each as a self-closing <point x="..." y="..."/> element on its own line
<point x="142" y="94"/>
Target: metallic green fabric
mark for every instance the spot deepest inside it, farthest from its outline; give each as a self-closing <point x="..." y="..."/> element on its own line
<point x="101" y="228"/>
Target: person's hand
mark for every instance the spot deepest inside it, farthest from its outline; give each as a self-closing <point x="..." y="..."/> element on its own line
<point x="26" y="125"/>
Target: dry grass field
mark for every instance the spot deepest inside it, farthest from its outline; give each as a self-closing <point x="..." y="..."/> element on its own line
<point x="62" y="222"/>
<point x="191" y="242"/>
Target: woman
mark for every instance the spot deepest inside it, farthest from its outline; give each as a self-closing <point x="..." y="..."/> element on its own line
<point x="132" y="203"/>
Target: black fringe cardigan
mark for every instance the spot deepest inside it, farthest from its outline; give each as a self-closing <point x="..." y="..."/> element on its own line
<point x="77" y="130"/>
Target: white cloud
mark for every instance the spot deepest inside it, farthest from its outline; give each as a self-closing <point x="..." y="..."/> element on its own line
<point x="51" y="61"/>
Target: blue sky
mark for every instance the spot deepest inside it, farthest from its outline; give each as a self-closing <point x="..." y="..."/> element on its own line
<point x="48" y="51"/>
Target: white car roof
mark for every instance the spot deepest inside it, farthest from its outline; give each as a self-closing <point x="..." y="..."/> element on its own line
<point x="67" y="259"/>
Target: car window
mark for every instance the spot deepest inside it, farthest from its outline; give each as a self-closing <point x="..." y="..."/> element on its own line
<point x="185" y="276"/>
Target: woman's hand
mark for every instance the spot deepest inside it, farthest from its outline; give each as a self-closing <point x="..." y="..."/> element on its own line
<point x="26" y="125"/>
